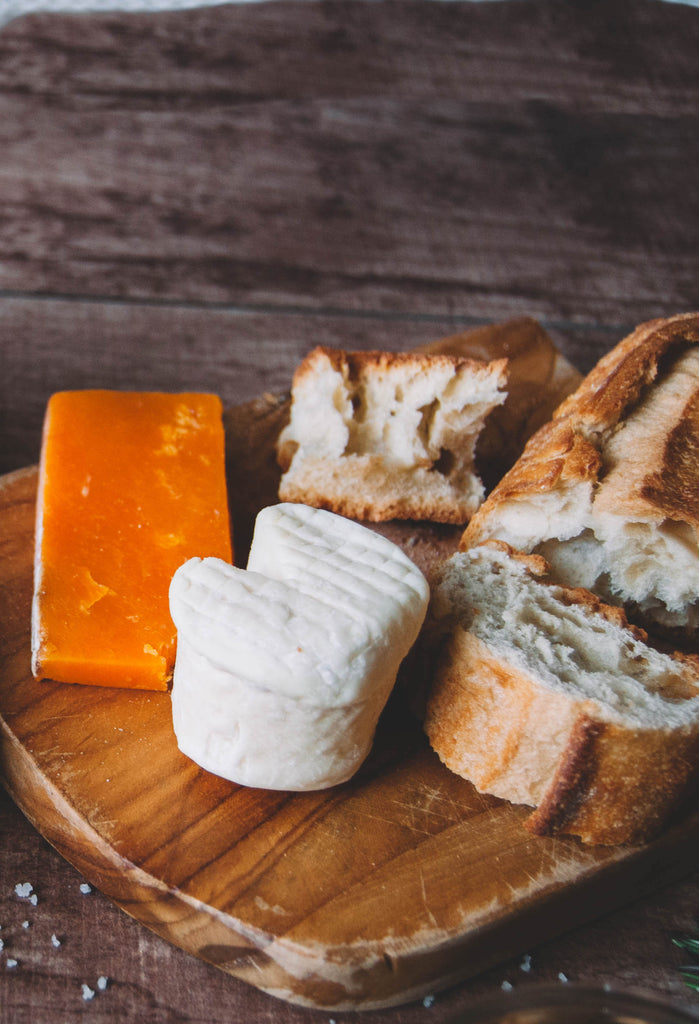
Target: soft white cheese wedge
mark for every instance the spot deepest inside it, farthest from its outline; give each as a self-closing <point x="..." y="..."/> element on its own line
<point x="283" y="668"/>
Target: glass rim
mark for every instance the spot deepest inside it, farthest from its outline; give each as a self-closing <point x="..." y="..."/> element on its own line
<point x="577" y="1003"/>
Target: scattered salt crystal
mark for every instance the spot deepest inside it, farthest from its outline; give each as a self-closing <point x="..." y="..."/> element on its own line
<point x="2" y="945"/>
<point x="506" y="986"/>
<point x="24" y="890"/>
<point x="526" y="964"/>
<point x="85" y="888"/>
<point x="562" y="977"/>
<point x="25" y="925"/>
<point x="428" y="1001"/>
<point x="55" y="941"/>
<point x="10" y="963"/>
<point x="88" y="993"/>
<point x="33" y="899"/>
<point x="102" y="983"/>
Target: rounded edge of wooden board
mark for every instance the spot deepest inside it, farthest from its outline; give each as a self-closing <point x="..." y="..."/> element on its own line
<point x="299" y="975"/>
<point x="365" y="976"/>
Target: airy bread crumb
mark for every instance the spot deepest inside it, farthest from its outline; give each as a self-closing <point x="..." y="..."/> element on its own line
<point x="546" y="696"/>
<point x="608" y="491"/>
<point x="378" y="436"/>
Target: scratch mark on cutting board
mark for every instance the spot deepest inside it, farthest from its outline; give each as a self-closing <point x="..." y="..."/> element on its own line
<point x="426" y="902"/>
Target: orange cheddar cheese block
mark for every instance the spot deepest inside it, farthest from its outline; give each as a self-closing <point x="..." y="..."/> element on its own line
<point x="131" y="485"/>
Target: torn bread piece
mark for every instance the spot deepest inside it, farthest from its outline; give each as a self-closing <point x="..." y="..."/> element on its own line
<point x="608" y="490"/>
<point x="283" y="668"/>
<point x="545" y="696"/>
<point x="377" y="435"/>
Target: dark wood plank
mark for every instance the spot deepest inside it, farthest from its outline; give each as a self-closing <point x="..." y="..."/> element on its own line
<point x="243" y="182"/>
<point x="484" y="159"/>
<point x="49" y="345"/>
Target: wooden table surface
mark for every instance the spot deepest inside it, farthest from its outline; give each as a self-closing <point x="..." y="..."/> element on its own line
<point x="194" y="199"/>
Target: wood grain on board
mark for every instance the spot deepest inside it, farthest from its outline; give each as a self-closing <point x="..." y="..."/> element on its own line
<point x="396" y="884"/>
<point x="195" y="199"/>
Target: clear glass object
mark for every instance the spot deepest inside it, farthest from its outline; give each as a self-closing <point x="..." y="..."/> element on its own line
<point x="573" y="1004"/>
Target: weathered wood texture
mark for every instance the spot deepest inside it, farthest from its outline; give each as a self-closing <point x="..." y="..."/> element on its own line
<point x="52" y="344"/>
<point x="194" y="199"/>
<point x="478" y="160"/>
<point x="150" y="980"/>
<point x="273" y="887"/>
<point x="217" y="190"/>
<point x="375" y="893"/>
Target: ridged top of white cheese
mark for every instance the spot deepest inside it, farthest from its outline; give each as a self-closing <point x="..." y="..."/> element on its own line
<point x="325" y="609"/>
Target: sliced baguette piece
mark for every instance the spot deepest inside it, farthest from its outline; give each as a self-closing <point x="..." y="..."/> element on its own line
<point x="283" y="668"/>
<point x="608" y="490"/>
<point x="546" y="696"/>
<point x="377" y="436"/>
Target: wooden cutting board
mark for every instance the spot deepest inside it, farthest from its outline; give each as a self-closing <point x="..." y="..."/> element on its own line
<point x="400" y="882"/>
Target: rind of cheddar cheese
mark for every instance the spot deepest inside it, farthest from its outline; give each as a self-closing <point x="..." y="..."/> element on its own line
<point x="131" y="485"/>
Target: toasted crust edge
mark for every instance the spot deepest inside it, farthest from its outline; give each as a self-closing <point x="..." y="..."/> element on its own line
<point x="566" y="450"/>
<point x="357" y="486"/>
<point x="604" y="782"/>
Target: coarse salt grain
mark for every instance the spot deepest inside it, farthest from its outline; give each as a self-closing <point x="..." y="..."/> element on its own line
<point x="428" y="1001"/>
<point x="88" y="993"/>
<point x="85" y="888"/>
<point x="506" y="986"/>
<point x="526" y="964"/>
<point x="11" y="963"/>
<point x="102" y="983"/>
<point x="55" y="941"/>
<point x="562" y="977"/>
<point x="24" y="890"/>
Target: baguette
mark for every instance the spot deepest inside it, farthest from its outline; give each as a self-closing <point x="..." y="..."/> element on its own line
<point x="608" y="491"/>
<point x="546" y="696"/>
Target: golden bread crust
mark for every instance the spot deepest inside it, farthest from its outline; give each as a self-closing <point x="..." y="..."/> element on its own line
<point x="519" y="732"/>
<point x="617" y="786"/>
<point x="567" y="451"/>
<point x="378" y="436"/>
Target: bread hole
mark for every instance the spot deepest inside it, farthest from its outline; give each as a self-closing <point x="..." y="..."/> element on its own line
<point x="359" y="406"/>
<point x="357" y="400"/>
<point x="427" y="414"/>
<point x="445" y="463"/>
